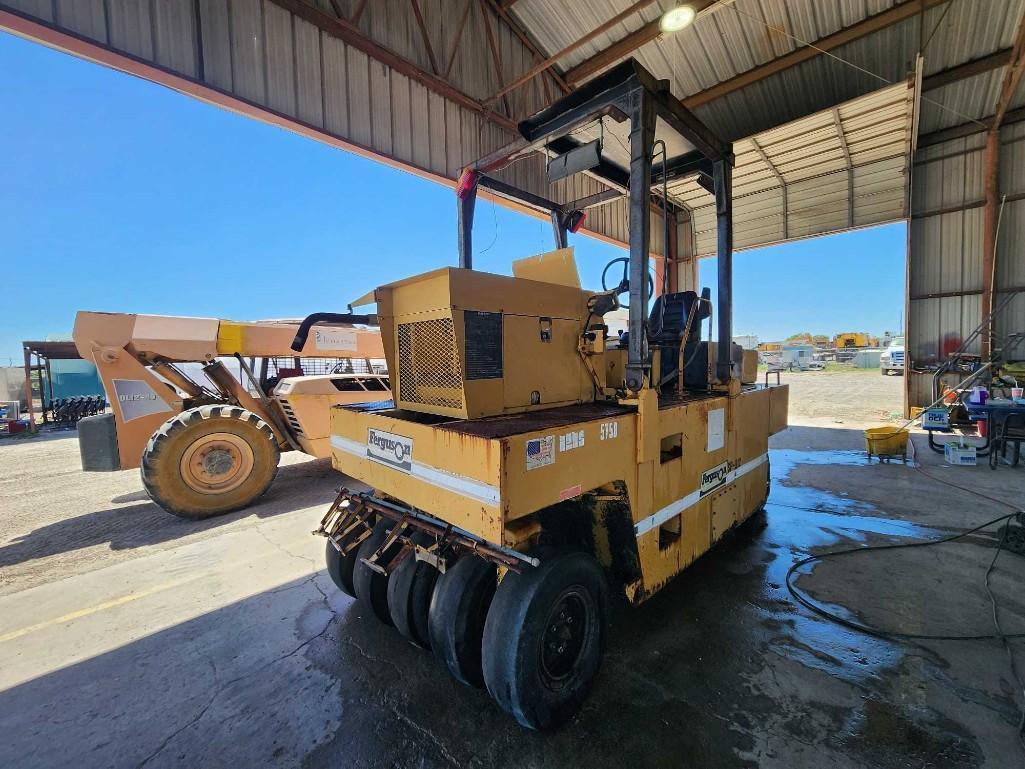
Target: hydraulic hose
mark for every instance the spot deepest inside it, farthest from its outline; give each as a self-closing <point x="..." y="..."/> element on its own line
<point x="327" y="317"/>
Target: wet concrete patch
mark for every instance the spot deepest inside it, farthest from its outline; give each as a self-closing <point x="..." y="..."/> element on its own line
<point x="720" y="669"/>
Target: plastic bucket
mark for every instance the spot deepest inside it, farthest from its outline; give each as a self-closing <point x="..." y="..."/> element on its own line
<point x="886" y="441"/>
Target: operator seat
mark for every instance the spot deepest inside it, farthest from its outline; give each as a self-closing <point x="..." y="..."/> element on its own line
<point x="668" y="317"/>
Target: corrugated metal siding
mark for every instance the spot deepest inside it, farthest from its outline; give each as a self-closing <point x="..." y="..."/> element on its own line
<point x="946" y="247"/>
<point x="810" y="188"/>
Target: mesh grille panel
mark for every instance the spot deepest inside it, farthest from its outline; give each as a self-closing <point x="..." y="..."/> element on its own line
<point x="429" y="371"/>
<point x="324" y="366"/>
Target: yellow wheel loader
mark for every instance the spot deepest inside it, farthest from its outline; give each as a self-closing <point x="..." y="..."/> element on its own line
<point x="208" y="438"/>
<point x="529" y="459"/>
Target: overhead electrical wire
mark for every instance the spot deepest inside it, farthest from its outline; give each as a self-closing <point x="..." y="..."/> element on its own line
<point x="831" y="55"/>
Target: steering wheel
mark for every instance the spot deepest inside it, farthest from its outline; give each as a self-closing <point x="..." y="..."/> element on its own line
<point x="624" y="282"/>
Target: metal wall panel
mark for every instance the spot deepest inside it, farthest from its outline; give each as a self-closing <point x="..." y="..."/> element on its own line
<point x="308" y="75"/>
<point x="40" y="9"/>
<point x="174" y="35"/>
<point x="279" y="59"/>
<point x="131" y="27"/>
<point x="945" y="256"/>
<point x="245" y="21"/>
<point x="216" y="49"/>
<point x="84" y="17"/>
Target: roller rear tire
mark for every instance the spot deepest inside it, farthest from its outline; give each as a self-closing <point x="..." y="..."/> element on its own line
<point x="340" y="568"/>
<point x="370" y="586"/>
<point x="457" y="615"/>
<point x="410" y="589"/>
<point x="210" y="460"/>
<point x="544" y="639"/>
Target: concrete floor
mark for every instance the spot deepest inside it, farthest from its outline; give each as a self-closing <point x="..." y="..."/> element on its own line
<point x="130" y="638"/>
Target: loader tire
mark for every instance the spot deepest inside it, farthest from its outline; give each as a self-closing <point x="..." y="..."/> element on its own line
<point x="544" y="639"/>
<point x="410" y="588"/>
<point x="209" y="460"/>
<point x="456" y="618"/>
<point x="340" y="568"/>
<point x="372" y="587"/>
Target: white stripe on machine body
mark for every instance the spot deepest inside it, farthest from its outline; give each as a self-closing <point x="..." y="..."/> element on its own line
<point x="458" y="484"/>
<point x="673" y="509"/>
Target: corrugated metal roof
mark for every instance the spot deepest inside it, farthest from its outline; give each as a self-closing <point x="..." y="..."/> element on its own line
<point x="741" y="35"/>
<point x="832" y="170"/>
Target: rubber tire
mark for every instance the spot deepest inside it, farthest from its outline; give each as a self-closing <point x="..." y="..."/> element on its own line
<point x="340" y="568"/>
<point x="410" y="589"/>
<point x="514" y="632"/>
<point x="372" y="588"/>
<point x="161" y="461"/>
<point x="459" y="609"/>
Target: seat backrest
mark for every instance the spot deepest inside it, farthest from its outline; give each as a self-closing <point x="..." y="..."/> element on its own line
<point x="669" y="316"/>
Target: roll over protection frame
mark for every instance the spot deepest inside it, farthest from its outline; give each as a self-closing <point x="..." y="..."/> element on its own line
<point x="626" y="92"/>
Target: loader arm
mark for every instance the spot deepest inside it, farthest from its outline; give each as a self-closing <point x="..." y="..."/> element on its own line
<point x="135" y="356"/>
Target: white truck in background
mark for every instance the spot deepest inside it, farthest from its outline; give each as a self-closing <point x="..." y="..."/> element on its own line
<point x="892" y="358"/>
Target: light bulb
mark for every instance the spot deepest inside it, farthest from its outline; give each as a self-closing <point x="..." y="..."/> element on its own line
<point x="676" y="18"/>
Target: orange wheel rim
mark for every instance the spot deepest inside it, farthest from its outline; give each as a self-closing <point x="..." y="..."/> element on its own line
<point x="217" y="463"/>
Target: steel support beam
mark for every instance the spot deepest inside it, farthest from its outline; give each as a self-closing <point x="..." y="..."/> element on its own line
<point x="496" y="56"/>
<point x="850" y="165"/>
<point x="540" y="67"/>
<point x="990" y="166"/>
<point x="351" y="35"/>
<point x="458" y="38"/>
<point x="895" y="15"/>
<point x="991" y="169"/>
<point x="723" y="178"/>
<point x="624" y="47"/>
<point x="561" y="233"/>
<point x="782" y="184"/>
<point x="968" y="129"/>
<point x="527" y="40"/>
<point x="504" y="189"/>
<point x="464" y="214"/>
<point x="966" y="70"/>
<point x="591" y="201"/>
<point x="426" y="38"/>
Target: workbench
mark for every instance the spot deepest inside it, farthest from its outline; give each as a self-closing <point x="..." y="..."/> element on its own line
<point x="1005" y="424"/>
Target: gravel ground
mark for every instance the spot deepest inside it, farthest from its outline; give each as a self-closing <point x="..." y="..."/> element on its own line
<point x="848" y="397"/>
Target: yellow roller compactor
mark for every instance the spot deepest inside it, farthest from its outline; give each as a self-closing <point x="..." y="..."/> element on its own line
<point x="529" y="460"/>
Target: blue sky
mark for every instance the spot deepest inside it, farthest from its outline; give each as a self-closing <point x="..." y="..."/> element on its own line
<point x="120" y="195"/>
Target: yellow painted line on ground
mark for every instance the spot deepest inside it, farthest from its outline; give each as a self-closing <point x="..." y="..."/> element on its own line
<point x="114" y="602"/>
<point x="92" y="609"/>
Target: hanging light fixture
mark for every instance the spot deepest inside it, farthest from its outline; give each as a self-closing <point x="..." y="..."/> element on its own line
<point x="676" y="18"/>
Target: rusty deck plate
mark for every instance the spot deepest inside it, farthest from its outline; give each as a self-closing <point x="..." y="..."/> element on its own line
<point x="531" y="421"/>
